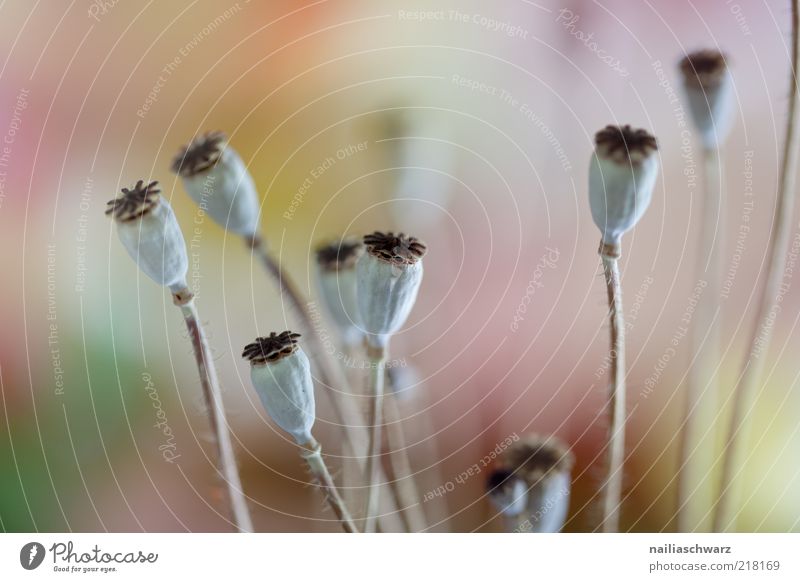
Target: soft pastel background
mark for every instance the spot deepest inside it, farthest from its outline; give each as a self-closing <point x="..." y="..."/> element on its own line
<point x="490" y="179"/>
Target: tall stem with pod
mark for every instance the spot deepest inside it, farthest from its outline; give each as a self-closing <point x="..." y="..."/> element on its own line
<point x="622" y="175"/>
<point x="389" y="274"/>
<point x="281" y="375"/>
<point x="149" y="231"/>
<point x="709" y="93"/>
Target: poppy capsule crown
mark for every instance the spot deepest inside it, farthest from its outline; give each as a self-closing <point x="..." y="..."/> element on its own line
<point x="622" y="175"/>
<point x="149" y="231"/>
<point x="281" y="375"/>
<point x="389" y="274"/>
<point x="216" y="178"/>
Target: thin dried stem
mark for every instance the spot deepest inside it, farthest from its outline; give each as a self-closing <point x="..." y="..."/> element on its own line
<point x="612" y="488"/>
<point x="216" y="412"/>
<point x="377" y="372"/>
<point x="312" y="453"/>
<point x="744" y="391"/>
<point x="403" y="484"/>
<point x="694" y="491"/>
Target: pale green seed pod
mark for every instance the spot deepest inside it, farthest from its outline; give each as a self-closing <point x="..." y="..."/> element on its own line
<point x="389" y="274"/>
<point x="281" y="375"/>
<point x="149" y="231"/>
<point x="336" y="278"/>
<point x="622" y="176"/>
<point x="709" y="92"/>
<point x="507" y="492"/>
<point x="216" y="178"/>
<point x="545" y="464"/>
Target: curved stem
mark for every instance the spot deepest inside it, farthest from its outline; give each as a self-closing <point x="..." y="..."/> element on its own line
<point x="312" y="453"/>
<point x="612" y="488"/>
<point x="377" y="372"/>
<point x="330" y="374"/>
<point x="696" y="437"/>
<point x="403" y="484"/>
<point x="769" y="303"/>
<point x="216" y="412"/>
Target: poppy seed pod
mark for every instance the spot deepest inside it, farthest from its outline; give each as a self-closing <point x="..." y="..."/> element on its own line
<point x="388" y="275"/>
<point x="216" y="178"/>
<point x="507" y="492"/>
<point x="281" y="375"/>
<point x="545" y="464"/>
<point x="622" y="175"/>
<point x="149" y="231"/>
<point x="709" y="90"/>
<point x="336" y="276"/>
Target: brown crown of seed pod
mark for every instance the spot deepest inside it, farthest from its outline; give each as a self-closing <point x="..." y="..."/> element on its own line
<point x="339" y="255"/>
<point x="704" y="69"/>
<point x="535" y="457"/>
<point x="398" y="249"/>
<point x="268" y="350"/>
<point x="201" y="154"/>
<point x="134" y="203"/>
<point x="623" y="144"/>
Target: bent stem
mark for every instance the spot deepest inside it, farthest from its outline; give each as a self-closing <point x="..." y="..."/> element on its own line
<point x="612" y="488"/>
<point x="696" y="438"/>
<point x="216" y="411"/>
<point x="377" y="360"/>
<point x="403" y="484"/>
<point x="312" y="453"/>
<point x="761" y="333"/>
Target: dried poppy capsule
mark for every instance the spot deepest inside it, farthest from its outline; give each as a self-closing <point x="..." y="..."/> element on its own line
<point x="709" y="90"/>
<point x="336" y="276"/>
<point x="622" y="175"/>
<point x="281" y="375"/>
<point x="149" y="231"/>
<point x="545" y="464"/>
<point x="216" y="178"/>
<point x="389" y="274"/>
